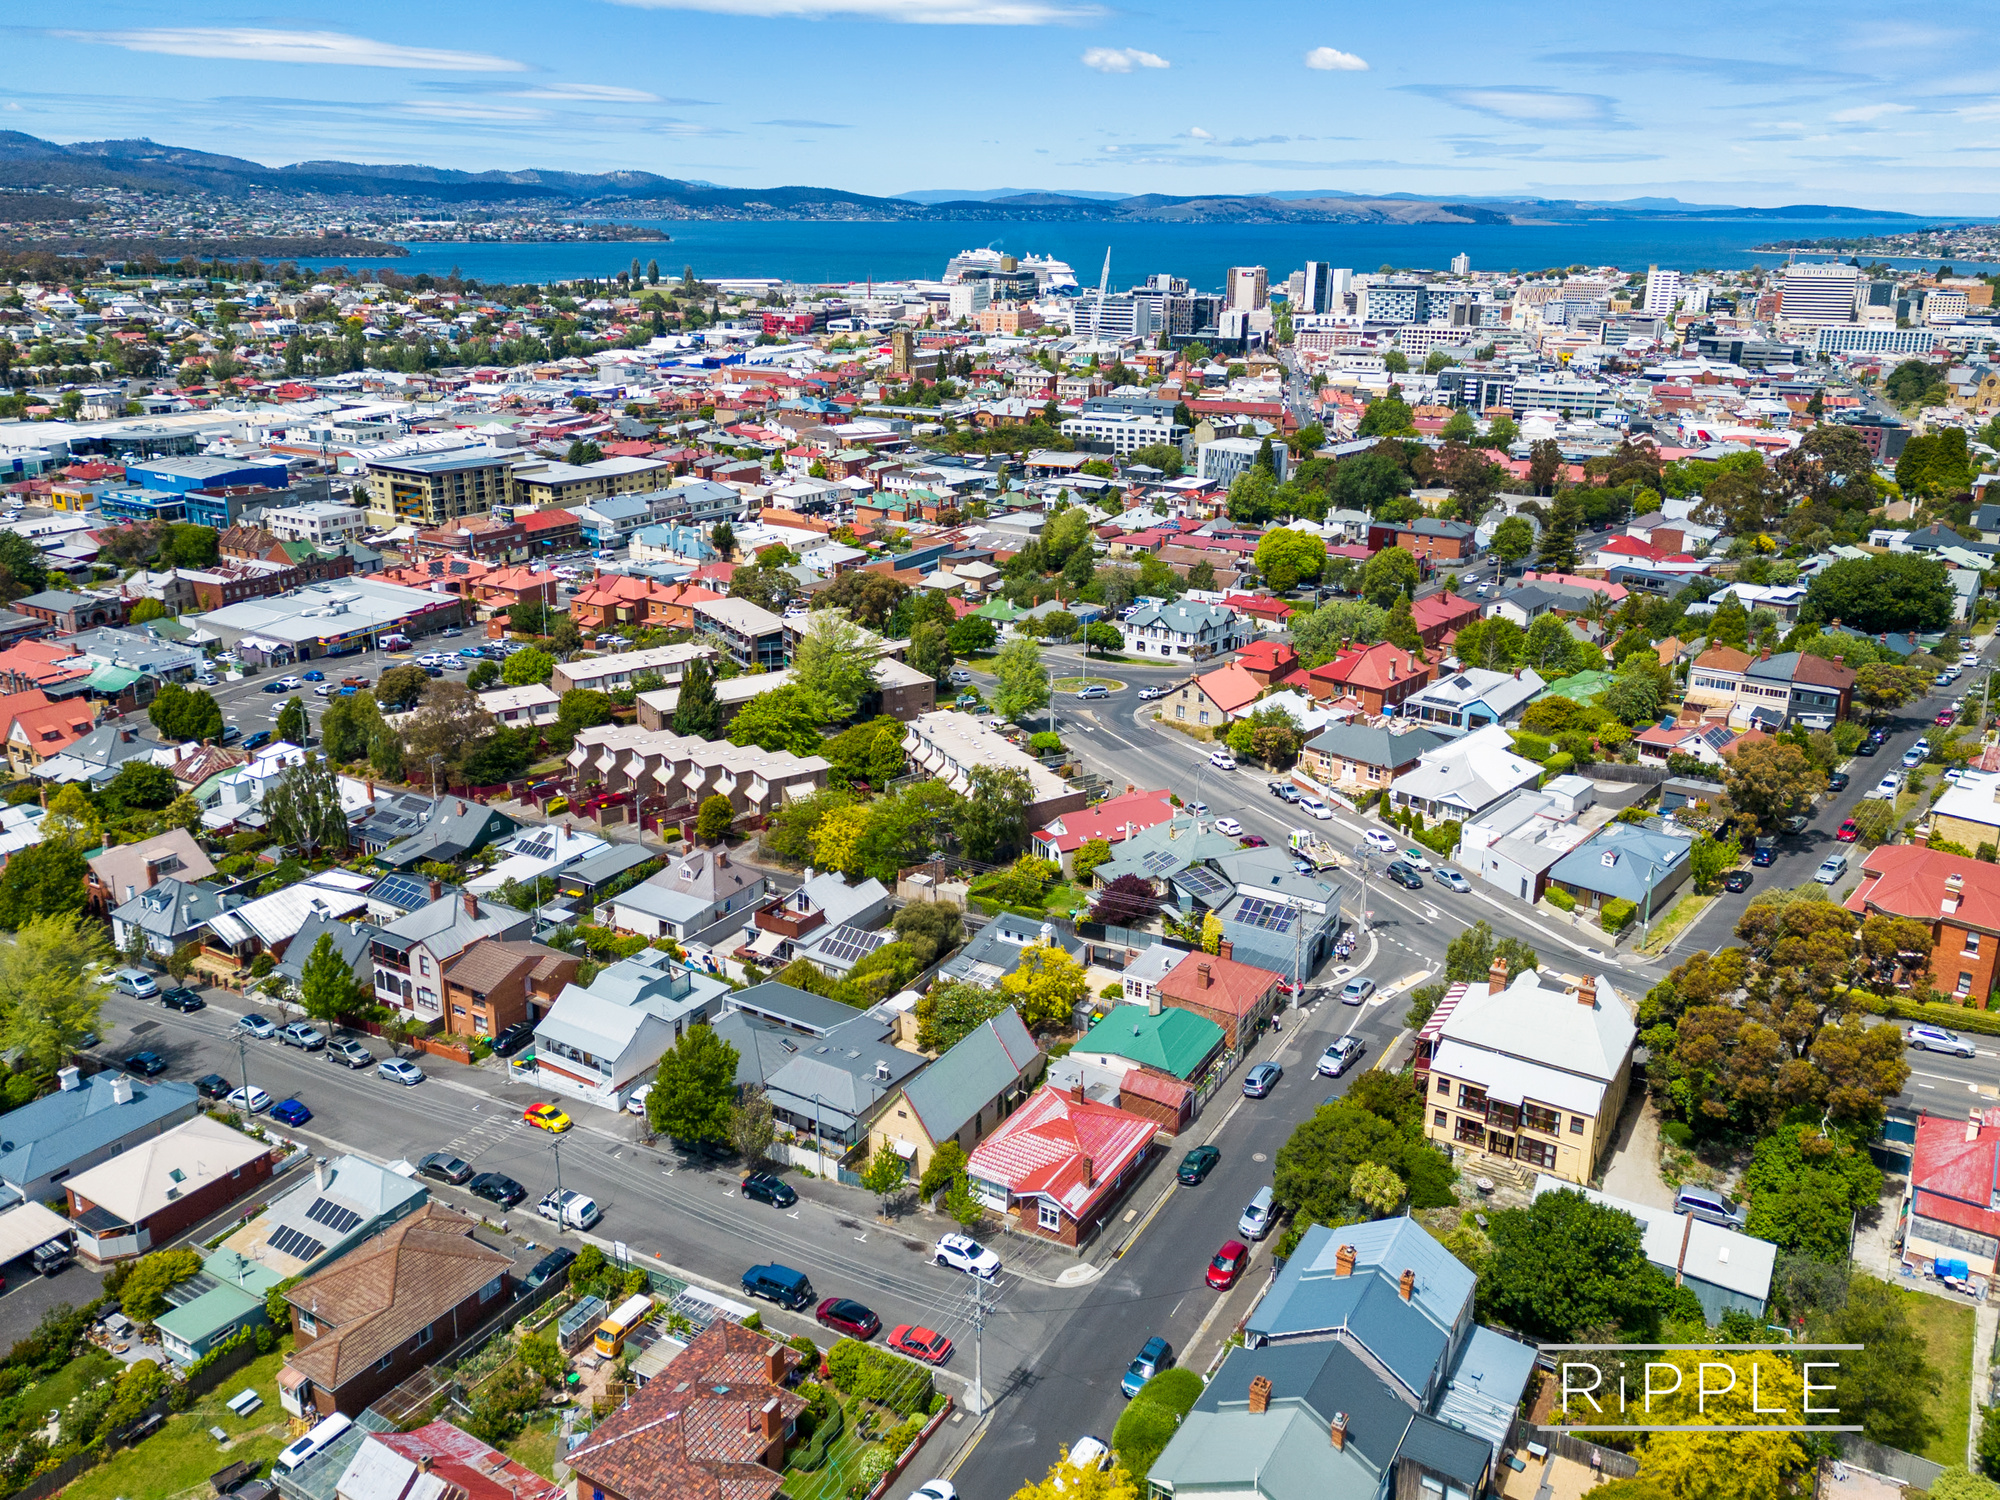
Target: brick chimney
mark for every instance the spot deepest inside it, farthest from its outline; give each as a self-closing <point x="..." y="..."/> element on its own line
<point x="1496" y="977"/>
<point x="423" y="1463"/>
<point x="471" y="903"/>
<point x="1406" y="1285"/>
<point x="771" y="1417"/>
<point x="371" y="790"/>
<point x="1260" y="1393"/>
<point x="1225" y="949"/>
<point x="437" y="890"/>
<point x="1336" y="1431"/>
<point x="1089" y="1173"/>
<point x="1586" y="993"/>
<point x="1076" y="1091"/>
<point x="1765" y="654"/>
<point x="1343" y="1261"/>
<point x="1204" y="976"/>
<point x="461" y="808"/>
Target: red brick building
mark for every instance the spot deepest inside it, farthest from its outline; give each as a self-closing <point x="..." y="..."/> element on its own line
<point x="1060" y="1166"/>
<point x="1378" y="676"/>
<point x="491" y="985"/>
<point x="1441" y="615"/>
<point x="1956" y="898"/>
<point x="1217" y="988"/>
<point x="551" y="530"/>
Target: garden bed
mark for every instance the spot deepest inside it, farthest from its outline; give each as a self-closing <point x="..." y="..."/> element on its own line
<point x="181" y="1455"/>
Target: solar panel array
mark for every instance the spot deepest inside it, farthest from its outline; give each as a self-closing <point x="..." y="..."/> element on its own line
<point x="1202" y="881"/>
<point x="402" y="890"/>
<point x="332" y="1215"/>
<point x="1159" y="862"/>
<point x="851" y="944"/>
<point x="296" y="1243"/>
<point x="1257" y="912"/>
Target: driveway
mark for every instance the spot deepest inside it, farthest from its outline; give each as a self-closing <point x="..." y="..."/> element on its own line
<point x="1632" y="1170"/>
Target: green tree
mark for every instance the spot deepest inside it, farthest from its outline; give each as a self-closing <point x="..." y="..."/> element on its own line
<point x="1502" y="432"/>
<point x="971" y="634"/>
<point x="1315" y="1167"/>
<point x="1387" y="416"/>
<point x="1770" y="780"/>
<point x="948" y="1013"/>
<point x="44" y="877"/>
<point x="714" y="818"/>
<point x="146" y="610"/>
<point x="482" y="676"/>
<point x="1565" y="1265"/>
<point x="1889" y="591"/>
<point x="786" y="718"/>
<point x="385" y="754"/>
<point x="1470" y="956"/>
<point x="930" y="649"/>
<point x="399" y="688"/>
<point x="947" y="1164"/>
<point x="1558" y="550"/>
<point x="697" y="712"/>
<point x="143" y="1297"/>
<point x="1024" y="681"/>
<point x="1286" y="555"/>
<point x="833" y="664"/>
<point x="1103" y="637"/>
<point x="1890" y="1380"/>
<point x="503" y="755"/>
<point x="51" y="984"/>
<point x="694" y="1091"/>
<point x="1391" y="574"/>
<point x="1047" y="985"/>
<point x="1708" y="859"/>
<point x="1513" y="539"/>
<point x="752" y="1126"/>
<point x="139" y="786"/>
<point x="303" y="811"/>
<point x="1805" y="1187"/>
<point x="184" y="714"/>
<point x="328" y="989"/>
<point x="528" y="666"/>
<point x="885" y="1174"/>
<point x="1318" y="637"/>
<point x="994" y="818"/>
<point x="293" y="727"/>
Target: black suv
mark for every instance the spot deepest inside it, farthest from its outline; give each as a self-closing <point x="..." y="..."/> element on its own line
<point x="182" y="999"/>
<point x="212" y="1086"/>
<point x="548" y="1268"/>
<point x="769" y="1187"/>
<point x="147" y="1064"/>
<point x="514" y="1038"/>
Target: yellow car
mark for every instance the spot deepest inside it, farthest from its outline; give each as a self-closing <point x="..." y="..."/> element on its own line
<point x="557" y="804"/>
<point x="547" y="1117"/>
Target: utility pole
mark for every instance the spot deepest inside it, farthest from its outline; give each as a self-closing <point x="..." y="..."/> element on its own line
<point x="243" y="1066"/>
<point x="981" y="1309"/>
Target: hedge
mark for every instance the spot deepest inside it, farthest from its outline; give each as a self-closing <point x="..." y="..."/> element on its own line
<point x="1951" y="1017"/>
<point x="876" y="1375"/>
<point x="1149" y="1423"/>
<point x="1560" y="899"/>
<point x="1616" y="916"/>
<point x="1534" y="746"/>
<point x="1559" y="764"/>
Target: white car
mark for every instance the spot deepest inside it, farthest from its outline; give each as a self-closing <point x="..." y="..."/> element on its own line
<point x="252" y="1101"/>
<point x="1416" y="861"/>
<point x="1313" y="807"/>
<point x="963" y="1253"/>
<point x="1229" y="826"/>
<point x="290" y="683"/>
<point x="1222" y="760"/>
<point x="1380" y="841"/>
<point x="1885" y="789"/>
<point x="1970" y="659"/>
<point x="400" y="1070"/>
<point x="324" y="690"/>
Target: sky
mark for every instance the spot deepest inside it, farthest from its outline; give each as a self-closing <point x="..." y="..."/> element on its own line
<point x="1761" y="105"/>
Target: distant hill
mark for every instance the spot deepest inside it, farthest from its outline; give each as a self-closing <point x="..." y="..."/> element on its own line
<point x="29" y="162"/>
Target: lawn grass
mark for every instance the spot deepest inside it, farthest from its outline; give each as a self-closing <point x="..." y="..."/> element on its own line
<point x="1677" y="920"/>
<point x="1946" y="1329"/>
<point x="71" y="1381"/>
<point x="1077" y="684"/>
<point x="536" y="1446"/>
<point x="181" y="1455"/>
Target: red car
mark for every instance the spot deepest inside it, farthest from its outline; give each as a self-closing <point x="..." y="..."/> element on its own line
<point x="1848" y="832"/>
<point x="844" y="1315"/>
<point x="926" y="1344"/>
<point x="1947" y="716"/>
<point x="1228" y="1264"/>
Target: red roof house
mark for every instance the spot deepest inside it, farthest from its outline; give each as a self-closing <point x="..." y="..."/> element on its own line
<point x="1267" y="661"/>
<point x="1954" y="1187"/>
<point x="1236" y="996"/>
<point x="1380" y="675"/>
<point x="1441" y="615"/>
<point x="461" y="1461"/>
<point x="1259" y="607"/>
<point x="1955" y="898"/>
<point x="1061" y="1164"/>
<point x="1114" y="820"/>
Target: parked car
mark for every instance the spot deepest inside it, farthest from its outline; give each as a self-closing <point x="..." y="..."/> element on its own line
<point x="769" y="1187"/>
<point x="1404" y="876"/>
<point x="926" y="1344"/>
<point x="1416" y="859"/>
<point x="349" y="1053"/>
<point x="134" y="982"/>
<point x="547" y="1117"/>
<point x="1926" y="1038"/>
<point x="291" y="1112"/>
<point x="1260" y="1080"/>
<point x="1736" y="880"/>
<point x="497" y="1187"/>
<point x="300" y="1035"/>
<point x="1378" y="840"/>
<point x="315" y="676"/>
<point x="290" y="684"/>
<point x="1090" y="1452"/>
<point x="274" y="687"/>
<point x="1313" y="807"/>
<point x="250" y="1101"/>
<point x="1831" y="869"/>
<point x="845" y="1315"/>
<point x="444" y="1167"/>
<point x="1912" y="758"/>
<point x="779" y="1284"/>
<point x="212" y="1086"/>
<point x="1340" y="1052"/>
<point x="960" y="1252"/>
<point x="1451" y="880"/>
<point x="1868" y="747"/>
<point x="1222" y="760"/>
<point x="1764" y="856"/>
<point x="258" y="1026"/>
<point x="570" y="1210"/>
<point x="1284" y="791"/>
<point x="1227" y="1264"/>
<point x="1155" y="1355"/>
<point x="182" y="999"/>
<point x="146" y="1064"/>
<point x="1197" y="1164"/>
<point x="258" y="740"/>
<point x="1839" y="781"/>
<point x="514" y="1038"/>
<point x="1255" y="841"/>
<point x="1711" y="1207"/>
<point x="400" y="1070"/>
<point x="550" y="1266"/>
<point x="1229" y="826"/>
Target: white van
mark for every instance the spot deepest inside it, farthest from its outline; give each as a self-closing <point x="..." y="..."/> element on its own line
<point x="1256" y="1220"/>
<point x="312" y="1444"/>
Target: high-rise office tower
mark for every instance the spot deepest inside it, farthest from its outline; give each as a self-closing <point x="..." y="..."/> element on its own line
<point x="1663" y="290"/>
<point x="1317" y="293"/>
<point x="1461" y="264"/>
<point x="1820" y="293"/>
<point x="1249" y="287"/>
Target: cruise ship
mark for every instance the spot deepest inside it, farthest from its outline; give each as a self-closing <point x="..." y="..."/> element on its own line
<point x="1050" y="274"/>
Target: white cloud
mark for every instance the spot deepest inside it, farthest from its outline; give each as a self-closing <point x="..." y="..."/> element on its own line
<point x="1333" y="60"/>
<point x="252" y="44"/>
<point x="1528" y="105"/>
<point x="588" y="93"/>
<point x="1864" y="112"/>
<point x="444" y="109"/>
<point x="1122" y="59"/>
<point x="1196" y="133"/>
<point x="905" y="12"/>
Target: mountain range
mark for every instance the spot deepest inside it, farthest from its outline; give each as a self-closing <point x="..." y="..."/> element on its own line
<point x="27" y="162"/>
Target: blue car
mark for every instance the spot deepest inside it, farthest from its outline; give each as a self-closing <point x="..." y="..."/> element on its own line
<point x="345" y="692"/>
<point x="315" y="676"/>
<point x="274" y="687"/>
<point x="472" y="652"/>
<point x="291" y="1112"/>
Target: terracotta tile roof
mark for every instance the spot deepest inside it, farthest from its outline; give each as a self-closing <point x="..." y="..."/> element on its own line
<point x="51" y="730"/>
<point x="374" y="1299"/>
<point x="1724" y="659"/>
<point x="1380" y="665"/>
<point x="1230" y="688"/>
<point x="697" y="1430"/>
<point x="491" y="962"/>
<point x="1234" y="987"/>
<point x="1955" y="1179"/>
<point x="1908" y="880"/>
<point x="1058" y="1148"/>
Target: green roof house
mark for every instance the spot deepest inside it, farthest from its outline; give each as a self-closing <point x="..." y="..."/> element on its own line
<point x="1175" y="1042"/>
<point x="224" y="1299"/>
<point x="1580" y="688"/>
